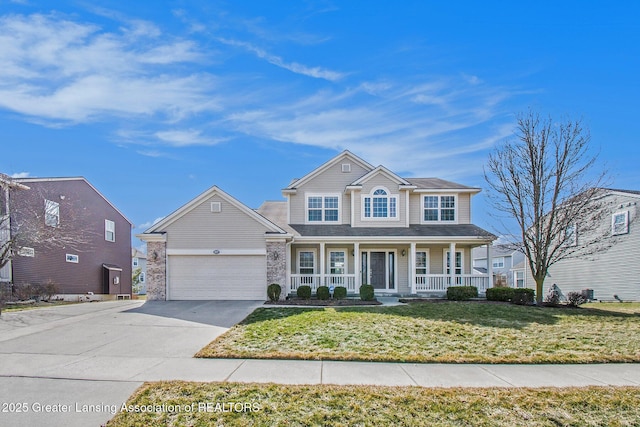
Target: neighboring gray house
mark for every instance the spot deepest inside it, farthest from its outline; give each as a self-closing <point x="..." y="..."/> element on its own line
<point x="609" y="273"/>
<point x="346" y="223"/>
<point x="504" y="258"/>
<point x="139" y="261"/>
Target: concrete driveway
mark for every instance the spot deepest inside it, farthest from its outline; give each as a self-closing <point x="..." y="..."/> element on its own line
<point x="75" y="365"/>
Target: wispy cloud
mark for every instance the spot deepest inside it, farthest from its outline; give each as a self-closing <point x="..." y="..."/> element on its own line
<point x="315" y="72"/>
<point x="21" y="175"/>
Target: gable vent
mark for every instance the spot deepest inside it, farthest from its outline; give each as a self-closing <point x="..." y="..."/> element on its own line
<point x="346" y="167"/>
<point x="216" y="207"/>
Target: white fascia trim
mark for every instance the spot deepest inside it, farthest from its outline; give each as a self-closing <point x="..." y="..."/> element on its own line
<point x="152" y="237"/>
<point x="282" y="238"/>
<point x="384" y="171"/>
<point x="337" y="159"/>
<point x="213" y="252"/>
<point x="180" y="212"/>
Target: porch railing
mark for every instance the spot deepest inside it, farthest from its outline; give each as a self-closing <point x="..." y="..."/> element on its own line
<point x="440" y="282"/>
<point x="315" y="280"/>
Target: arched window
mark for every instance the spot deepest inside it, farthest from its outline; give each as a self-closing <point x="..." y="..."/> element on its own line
<point x="380" y="205"/>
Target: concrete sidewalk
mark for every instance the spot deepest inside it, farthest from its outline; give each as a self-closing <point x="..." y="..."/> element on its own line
<point x="98" y="354"/>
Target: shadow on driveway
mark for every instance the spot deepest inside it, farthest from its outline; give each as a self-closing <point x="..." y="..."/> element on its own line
<point x="215" y="313"/>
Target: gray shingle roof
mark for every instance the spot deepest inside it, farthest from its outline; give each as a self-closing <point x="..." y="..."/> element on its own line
<point x="437" y="184"/>
<point x="453" y="230"/>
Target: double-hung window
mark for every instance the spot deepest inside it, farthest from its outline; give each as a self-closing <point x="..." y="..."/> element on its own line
<point x="51" y="213"/>
<point x="498" y="262"/>
<point x="620" y="223"/>
<point x="323" y="208"/>
<point x="109" y="230"/>
<point x="421" y="262"/>
<point x="380" y="205"/>
<point x="439" y="209"/>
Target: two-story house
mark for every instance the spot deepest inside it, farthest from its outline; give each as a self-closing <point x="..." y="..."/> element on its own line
<point x="139" y="263"/>
<point x="346" y="223"/>
<point x="505" y="258"/>
<point x="67" y="234"/>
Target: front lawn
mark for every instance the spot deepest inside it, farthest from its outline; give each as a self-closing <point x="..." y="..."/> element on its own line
<point x="449" y="332"/>
<point x="231" y="404"/>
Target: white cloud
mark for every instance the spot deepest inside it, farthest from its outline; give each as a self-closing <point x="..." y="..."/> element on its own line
<point x="21" y="175"/>
<point x="315" y="72"/>
<point x="148" y="224"/>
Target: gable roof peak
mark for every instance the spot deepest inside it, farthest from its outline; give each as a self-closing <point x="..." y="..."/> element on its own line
<point x="331" y="162"/>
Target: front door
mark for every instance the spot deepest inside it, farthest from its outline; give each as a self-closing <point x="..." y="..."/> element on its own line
<point x="378" y="270"/>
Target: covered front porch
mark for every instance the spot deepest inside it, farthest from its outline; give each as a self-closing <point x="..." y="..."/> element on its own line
<point x="392" y="268"/>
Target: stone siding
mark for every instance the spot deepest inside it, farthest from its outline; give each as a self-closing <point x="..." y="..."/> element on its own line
<point x="156" y="271"/>
<point x="277" y="265"/>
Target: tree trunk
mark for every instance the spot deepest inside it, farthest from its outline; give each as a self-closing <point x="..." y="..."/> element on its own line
<point x="539" y="284"/>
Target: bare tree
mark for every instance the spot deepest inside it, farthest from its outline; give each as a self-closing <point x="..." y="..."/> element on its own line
<point x="547" y="180"/>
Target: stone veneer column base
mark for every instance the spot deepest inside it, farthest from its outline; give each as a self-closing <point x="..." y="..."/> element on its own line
<point x="277" y="265"/>
<point x="156" y="271"/>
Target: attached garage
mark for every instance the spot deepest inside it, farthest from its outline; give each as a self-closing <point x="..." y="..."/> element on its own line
<point x="217" y="277"/>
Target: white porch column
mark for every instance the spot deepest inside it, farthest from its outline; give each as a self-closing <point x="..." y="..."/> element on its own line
<point x="322" y="264"/>
<point x="452" y="263"/>
<point x="412" y="267"/>
<point x="490" y="264"/>
<point x="287" y="258"/>
<point x="358" y="265"/>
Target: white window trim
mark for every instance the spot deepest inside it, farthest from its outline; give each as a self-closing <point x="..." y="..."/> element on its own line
<point x="315" y="260"/>
<point x="439" y="196"/>
<point x="389" y="196"/>
<point x="444" y="261"/>
<point x="107" y="229"/>
<point x="495" y="260"/>
<point x="626" y="223"/>
<point x="574" y="240"/>
<point x="515" y="279"/>
<point x="428" y="260"/>
<point x="73" y="258"/>
<point x="346" y="259"/>
<point x="51" y="208"/>
<point x="135" y="262"/>
<point x="323" y="195"/>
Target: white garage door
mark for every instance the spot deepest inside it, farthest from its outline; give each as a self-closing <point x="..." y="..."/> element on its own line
<point x="219" y="277"/>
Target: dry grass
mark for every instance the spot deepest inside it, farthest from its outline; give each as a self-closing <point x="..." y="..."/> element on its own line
<point x="452" y="332"/>
<point x="275" y="405"/>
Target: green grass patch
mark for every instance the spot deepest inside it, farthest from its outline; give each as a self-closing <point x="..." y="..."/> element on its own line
<point x="232" y="404"/>
<point x="446" y="332"/>
<point x="42" y="304"/>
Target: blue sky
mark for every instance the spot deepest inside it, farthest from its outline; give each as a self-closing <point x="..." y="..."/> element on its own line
<point x="156" y="101"/>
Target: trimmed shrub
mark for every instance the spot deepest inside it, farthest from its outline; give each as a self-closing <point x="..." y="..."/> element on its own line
<point x="304" y="292"/>
<point x="323" y="292"/>
<point x="523" y="296"/>
<point x="574" y="299"/>
<point x="461" y="293"/>
<point x="367" y="293"/>
<point x="500" y="294"/>
<point x="339" y="292"/>
<point x="273" y="291"/>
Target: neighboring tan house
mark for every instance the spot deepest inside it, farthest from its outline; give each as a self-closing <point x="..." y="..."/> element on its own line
<point x="503" y="260"/>
<point x="87" y="248"/>
<point x="613" y="273"/>
<point x="346" y="223"/>
<point x="139" y="261"/>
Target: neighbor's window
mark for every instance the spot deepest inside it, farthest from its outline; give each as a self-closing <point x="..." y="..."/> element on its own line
<point x="439" y="208"/>
<point x="135" y="262"/>
<point x="571" y="235"/>
<point x="51" y="213"/>
<point x="141" y="277"/>
<point x="519" y="279"/>
<point x="109" y="231"/>
<point x="72" y="258"/>
<point x="498" y="262"/>
<point x="323" y="208"/>
<point x="620" y="223"/>
<point x="380" y="204"/>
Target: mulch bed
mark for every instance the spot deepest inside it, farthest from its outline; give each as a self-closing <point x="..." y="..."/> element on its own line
<point x="322" y="303"/>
